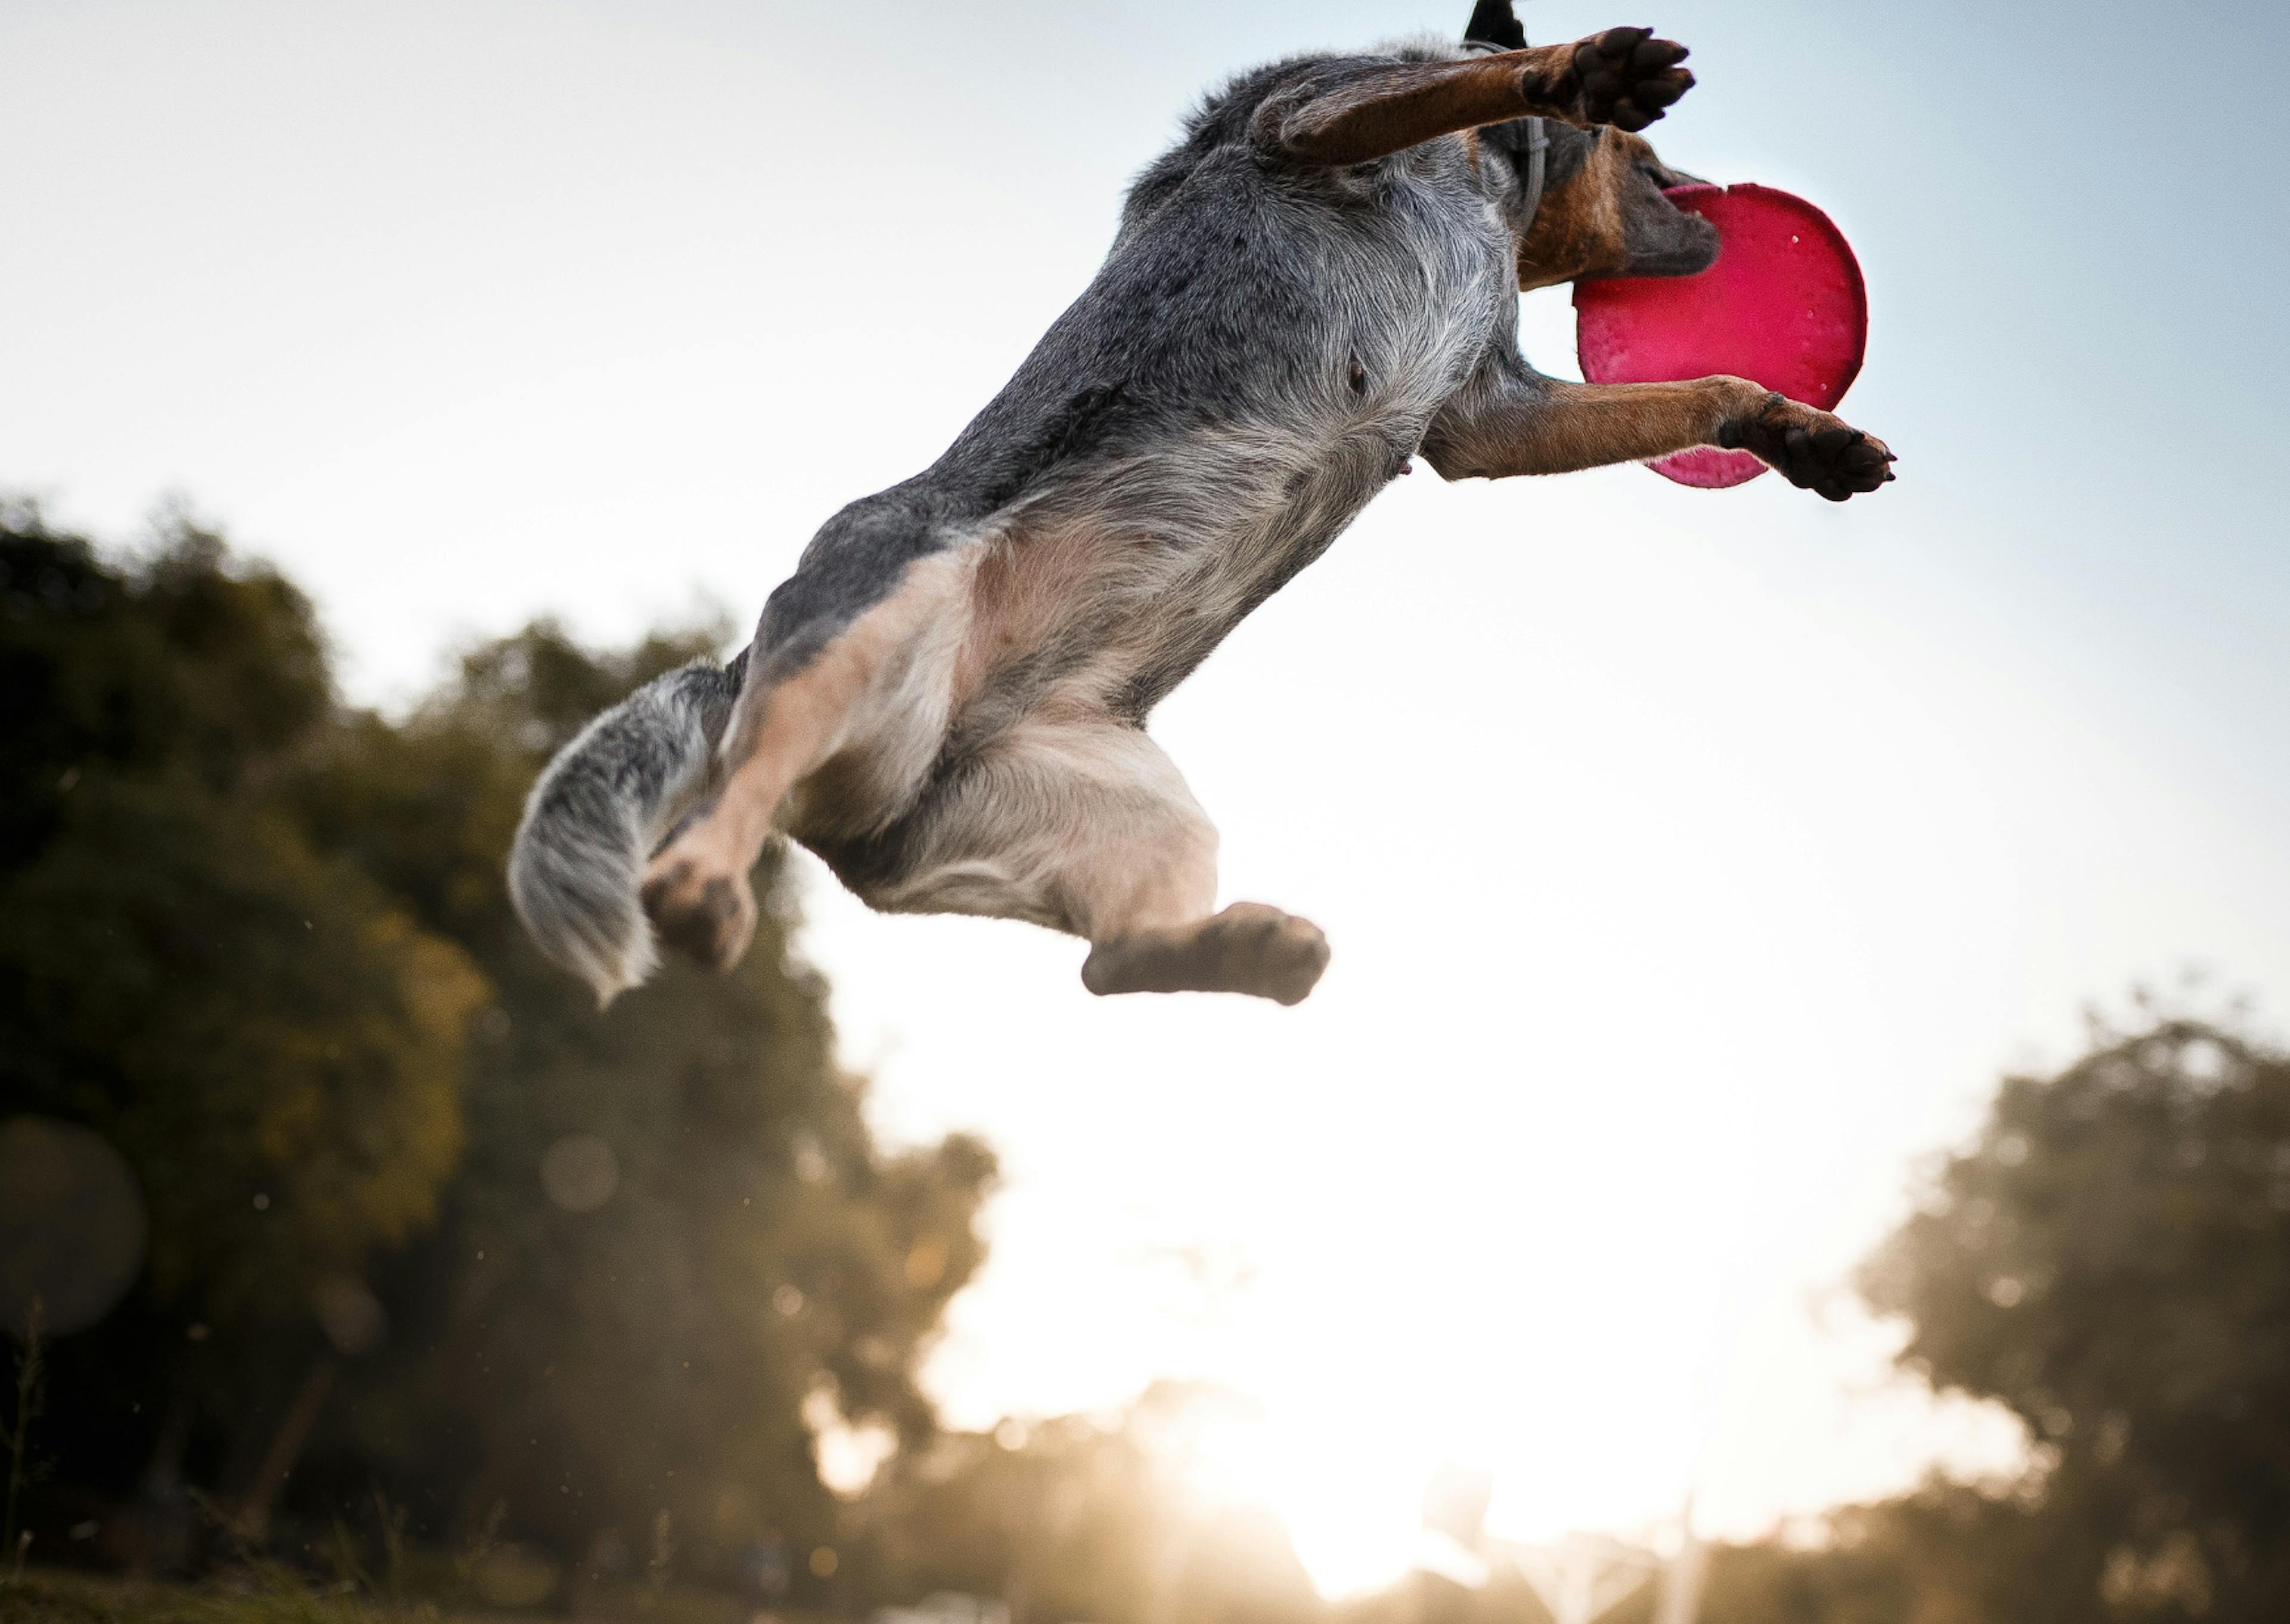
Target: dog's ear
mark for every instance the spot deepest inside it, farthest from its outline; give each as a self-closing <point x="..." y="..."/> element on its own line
<point x="1493" y="23"/>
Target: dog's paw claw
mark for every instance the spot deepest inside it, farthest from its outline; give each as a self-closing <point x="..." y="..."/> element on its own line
<point x="1660" y="92"/>
<point x="1628" y="78"/>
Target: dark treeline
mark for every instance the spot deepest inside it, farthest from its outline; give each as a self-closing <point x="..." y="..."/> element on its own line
<point x="421" y="1225"/>
<point x="356" y="1229"/>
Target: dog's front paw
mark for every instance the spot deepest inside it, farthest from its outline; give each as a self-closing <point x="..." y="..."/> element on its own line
<point x="1813" y="450"/>
<point x="700" y="908"/>
<point x="1628" y="78"/>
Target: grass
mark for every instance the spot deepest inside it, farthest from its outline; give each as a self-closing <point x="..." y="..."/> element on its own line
<point x="270" y="1595"/>
<point x="43" y="1596"/>
<point x="256" y="1596"/>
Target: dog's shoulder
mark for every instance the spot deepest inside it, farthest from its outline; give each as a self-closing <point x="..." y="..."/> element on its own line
<point x="1219" y="123"/>
<point x="1222" y="126"/>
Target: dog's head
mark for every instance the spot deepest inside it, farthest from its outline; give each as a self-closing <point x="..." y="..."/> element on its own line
<point x="1601" y="211"/>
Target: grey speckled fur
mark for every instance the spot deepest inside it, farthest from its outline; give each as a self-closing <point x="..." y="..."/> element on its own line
<point x="607" y="799"/>
<point x="1266" y="346"/>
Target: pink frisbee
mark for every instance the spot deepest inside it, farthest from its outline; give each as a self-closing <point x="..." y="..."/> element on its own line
<point x="1784" y="306"/>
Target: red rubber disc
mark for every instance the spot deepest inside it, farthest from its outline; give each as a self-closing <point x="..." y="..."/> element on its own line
<point x="1784" y="306"/>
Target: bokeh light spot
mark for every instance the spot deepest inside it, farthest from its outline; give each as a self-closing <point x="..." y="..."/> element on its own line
<point x="72" y="1225"/>
<point x="580" y="1171"/>
<point x="927" y="1263"/>
<point x="349" y="1314"/>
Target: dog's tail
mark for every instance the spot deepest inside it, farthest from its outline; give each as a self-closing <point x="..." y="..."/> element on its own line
<point x="600" y="809"/>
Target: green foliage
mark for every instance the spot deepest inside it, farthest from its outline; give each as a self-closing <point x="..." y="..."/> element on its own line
<point x="262" y="1030"/>
<point x="2111" y="1261"/>
<point x="590" y="1269"/>
<point x="654" y="1354"/>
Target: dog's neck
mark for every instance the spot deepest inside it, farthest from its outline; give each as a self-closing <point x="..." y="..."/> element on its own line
<point x="1538" y="144"/>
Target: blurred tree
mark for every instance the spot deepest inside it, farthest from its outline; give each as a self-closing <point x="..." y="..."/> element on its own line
<point x="600" y="1270"/>
<point x="673" y="1233"/>
<point x="266" y="1034"/>
<point x="1948" y="1553"/>
<point x="2111" y="1262"/>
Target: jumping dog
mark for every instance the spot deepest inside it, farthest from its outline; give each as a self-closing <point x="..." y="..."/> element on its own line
<point x="946" y="701"/>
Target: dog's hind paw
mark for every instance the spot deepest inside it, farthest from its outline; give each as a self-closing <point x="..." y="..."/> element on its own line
<point x="706" y="915"/>
<point x="1812" y="449"/>
<point x="1247" y="948"/>
<point x="1628" y="78"/>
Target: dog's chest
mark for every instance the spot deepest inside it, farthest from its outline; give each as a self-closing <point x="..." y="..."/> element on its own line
<point x="1411" y="294"/>
<point x="1135" y="567"/>
<point x="1417" y="292"/>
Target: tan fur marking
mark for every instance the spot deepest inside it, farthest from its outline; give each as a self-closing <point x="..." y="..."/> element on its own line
<point x="1029" y="579"/>
<point x="780" y="733"/>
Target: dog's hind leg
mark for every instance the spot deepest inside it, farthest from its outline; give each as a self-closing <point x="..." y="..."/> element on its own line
<point x="1623" y="76"/>
<point x="877" y="686"/>
<point x="1085" y="826"/>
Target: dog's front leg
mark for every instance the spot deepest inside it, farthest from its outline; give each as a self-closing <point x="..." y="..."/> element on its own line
<point x="1623" y="76"/>
<point x="1507" y="423"/>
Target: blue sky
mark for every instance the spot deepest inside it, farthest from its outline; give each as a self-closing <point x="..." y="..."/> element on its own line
<point x="1693" y="860"/>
